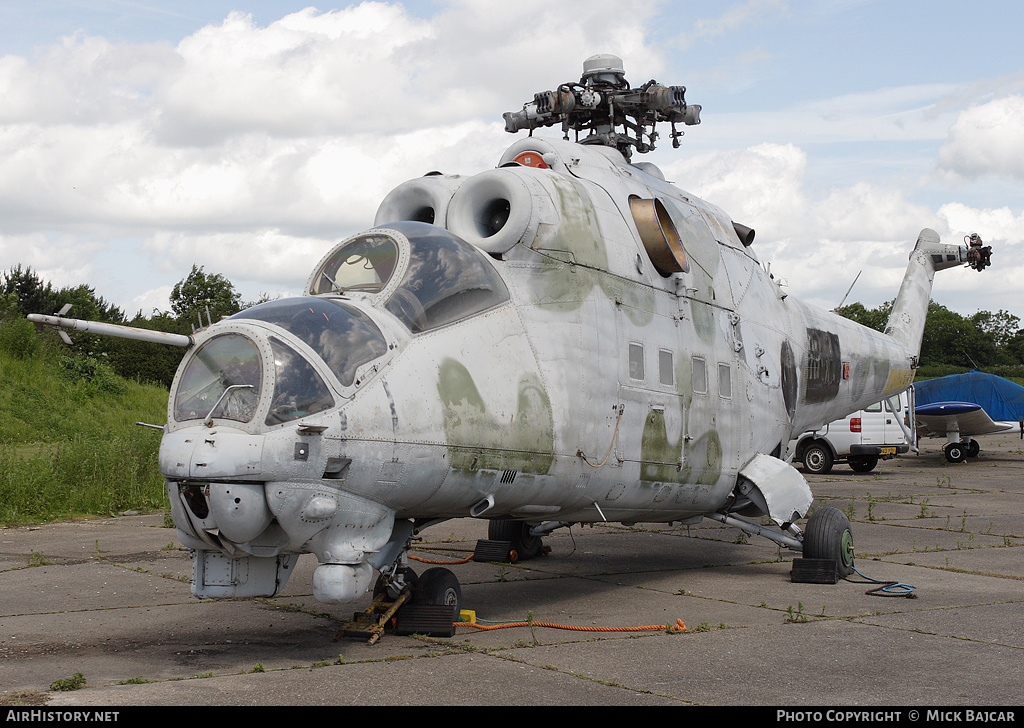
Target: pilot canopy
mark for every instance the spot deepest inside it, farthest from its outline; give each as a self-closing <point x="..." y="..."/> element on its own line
<point x="424" y="275"/>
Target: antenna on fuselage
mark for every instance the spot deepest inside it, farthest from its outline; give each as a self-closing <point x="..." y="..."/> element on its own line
<point x="836" y="309"/>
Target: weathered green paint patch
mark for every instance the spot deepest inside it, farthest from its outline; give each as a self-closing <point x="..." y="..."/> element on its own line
<point x="479" y="440"/>
<point x="660" y="458"/>
<point x="636" y="301"/>
<point x="703" y="321"/>
<point x="579" y="230"/>
<point x="684" y="383"/>
<point x="704" y="457"/>
<point x="577" y="261"/>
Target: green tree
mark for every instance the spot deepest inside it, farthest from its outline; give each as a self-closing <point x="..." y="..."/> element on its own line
<point x="949" y="338"/>
<point x="982" y="340"/>
<point x="873" y="318"/>
<point x="204" y="294"/>
<point x="1002" y="328"/>
<point x="31" y="293"/>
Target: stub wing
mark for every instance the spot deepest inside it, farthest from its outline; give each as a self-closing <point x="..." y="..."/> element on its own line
<point x="949" y="419"/>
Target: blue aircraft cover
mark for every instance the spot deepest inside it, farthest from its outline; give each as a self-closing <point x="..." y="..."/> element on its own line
<point x="999" y="397"/>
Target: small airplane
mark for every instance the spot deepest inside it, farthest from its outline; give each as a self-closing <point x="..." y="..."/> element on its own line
<point x="565" y="339"/>
<point x="961" y="407"/>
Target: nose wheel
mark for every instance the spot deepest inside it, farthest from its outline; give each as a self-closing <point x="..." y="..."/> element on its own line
<point x="955" y="452"/>
<point x="428" y="604"/>
<point x="439" y="587"/>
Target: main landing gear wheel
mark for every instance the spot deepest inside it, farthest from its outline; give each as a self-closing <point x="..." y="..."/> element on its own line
<point x="955" y="452"/>
<point x="973" y="448"/>
<point x="437" y="587"/>
<point x="828" y="536"/>
<point x="818" y="459"/>
<point x="517" y="533"/>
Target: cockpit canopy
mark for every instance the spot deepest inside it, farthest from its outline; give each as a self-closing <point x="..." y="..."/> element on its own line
<point x="423" y="274"/>
<point x="226" y="375"/>
<point x="344" y="337"/>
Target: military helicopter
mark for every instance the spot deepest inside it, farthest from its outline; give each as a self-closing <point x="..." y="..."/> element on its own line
<point x="565" y="339"/>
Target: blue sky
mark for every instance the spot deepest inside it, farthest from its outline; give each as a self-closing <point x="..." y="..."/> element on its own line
<point x="138" y="138"/>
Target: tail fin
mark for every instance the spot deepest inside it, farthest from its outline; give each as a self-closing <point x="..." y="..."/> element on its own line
<point x="906" y="322"/>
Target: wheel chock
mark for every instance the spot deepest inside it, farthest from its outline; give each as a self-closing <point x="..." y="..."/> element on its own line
<point x="487" y="550"/>
<point x="814" y="571"/>
<point x="433" y="620"/>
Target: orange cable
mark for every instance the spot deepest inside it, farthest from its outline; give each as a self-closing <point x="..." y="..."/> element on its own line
<point x="678" y="627"/>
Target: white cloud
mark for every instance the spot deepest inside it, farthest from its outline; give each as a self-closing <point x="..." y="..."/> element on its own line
<point x="763" y="183"/>
<point x="866" y="211"/>
<point x="732" y="18"/>
<point x="268" y="256"/>
<point x="818" y="241"/>
<point x="250" y="149"/>
<point x="155" y="299"/>
<point x="987" y="139"/>
<point x="270" y="139"/>
<point x="60" y="259"/>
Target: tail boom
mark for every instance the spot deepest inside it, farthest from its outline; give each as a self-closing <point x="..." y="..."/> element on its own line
<point x="906" y="321"/>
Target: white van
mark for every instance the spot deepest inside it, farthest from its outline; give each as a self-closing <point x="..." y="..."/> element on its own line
<point x="861" y="439"/>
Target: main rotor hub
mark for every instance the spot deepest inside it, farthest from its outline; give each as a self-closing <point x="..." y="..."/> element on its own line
<point x="602" y="103"/>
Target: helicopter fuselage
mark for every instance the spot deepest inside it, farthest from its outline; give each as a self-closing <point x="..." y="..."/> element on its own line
<point x="576" y="341"/>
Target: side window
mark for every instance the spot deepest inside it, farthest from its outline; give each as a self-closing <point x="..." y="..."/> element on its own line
<point x="665" y="368"/>
<point x="724" y="381"/>
<point x="636" y="361"/>
<point x="298" y="389"/>
<point x="876" y="407"/>
<point x="700" y="376"/>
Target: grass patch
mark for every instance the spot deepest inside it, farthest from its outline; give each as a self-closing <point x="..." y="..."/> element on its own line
<point x="69" y="444"/>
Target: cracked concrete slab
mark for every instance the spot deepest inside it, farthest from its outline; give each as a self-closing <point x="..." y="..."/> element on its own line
<point x="109" y="598"/>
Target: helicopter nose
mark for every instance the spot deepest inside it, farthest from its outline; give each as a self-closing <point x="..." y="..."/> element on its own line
<point x="200" y="462"/>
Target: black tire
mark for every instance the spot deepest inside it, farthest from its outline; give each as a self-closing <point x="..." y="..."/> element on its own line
<point x="439" y="586"/>
<point x="863" y="463"/>
<point x="818" y="459"/>
<point x="955" y="452"/>
<point x="973" y="448"/>
<point x="517" y="533"/>
<point x="828" y="536"/>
